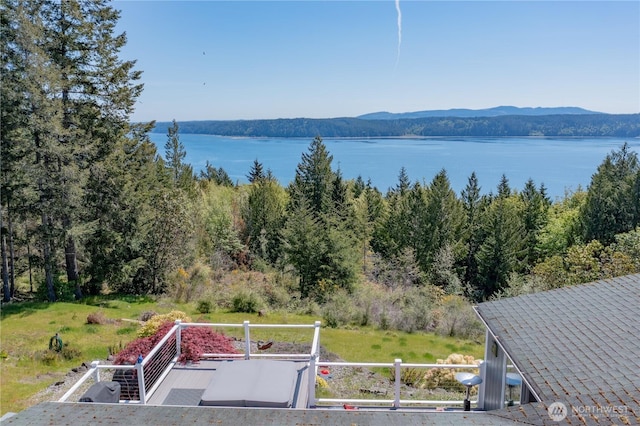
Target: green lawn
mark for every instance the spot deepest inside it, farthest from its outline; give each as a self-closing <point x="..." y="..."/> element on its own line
<point x="27" y="367"/>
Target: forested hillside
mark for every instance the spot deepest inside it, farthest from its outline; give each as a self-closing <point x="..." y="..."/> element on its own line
<point x="565" y="125"/>
<point x="89" y="205"/>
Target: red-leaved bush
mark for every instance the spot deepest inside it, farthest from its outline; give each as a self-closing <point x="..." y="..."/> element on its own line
<point x="195" y="341"/>
<point x="200" y="340"/>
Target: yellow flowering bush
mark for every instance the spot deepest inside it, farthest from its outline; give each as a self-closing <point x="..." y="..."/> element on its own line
<point x="321" y="383"/>
<point x="151" y="327"/>
<point x="445" y="377"/>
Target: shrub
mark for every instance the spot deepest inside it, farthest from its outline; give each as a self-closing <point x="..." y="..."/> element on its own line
<point x="115" y="349"/>
<point x="204" y="307"/>
<point x="147" y="315"/>
<point x="49" y="357"/>
<point x="321" y="383"/>
<point x="97" y="318"/>
<point x="337" y="310"/>
<point x="246" y="301"/>
<point x="152" y="326"/>
<point x="277" y="297"/>
<point x="195" y="341"/>
<point x="456" y="318"/>
<point x="408" y="376"/>
<point x="413" y="310"/>
<point x="141" y="346"/>
<point x="186" y="285"/>
<point x="445" y="377"/>
<point x="64" y="291"/>
<point x="69" y="353"/>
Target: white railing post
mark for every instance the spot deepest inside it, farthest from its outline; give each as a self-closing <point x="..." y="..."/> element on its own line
<point x="247" y="340"/>
<point x="312" y="382"/>
<point x="313" y="364"/>
<point x="316" y="329"/>
<point x="178" y="337"/>
<point x="96" y="371"/>
<point x="141" y="390"/>
<point x="396" y="398"/>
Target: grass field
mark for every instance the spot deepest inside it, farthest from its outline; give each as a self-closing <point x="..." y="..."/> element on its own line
<point x="28" y="367"/>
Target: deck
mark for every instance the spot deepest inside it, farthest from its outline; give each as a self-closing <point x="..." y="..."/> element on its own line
<point x="185" y="385"/>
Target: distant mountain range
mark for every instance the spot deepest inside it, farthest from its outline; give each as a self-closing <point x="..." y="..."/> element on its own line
<point x="503" y="121"/>
<point x="488" y="112"/>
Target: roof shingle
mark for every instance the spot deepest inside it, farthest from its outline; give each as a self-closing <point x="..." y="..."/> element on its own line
<point x="578" y="344"/>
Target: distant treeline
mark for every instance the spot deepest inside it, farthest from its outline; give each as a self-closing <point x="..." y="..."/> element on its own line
<point x="564" y="125"/>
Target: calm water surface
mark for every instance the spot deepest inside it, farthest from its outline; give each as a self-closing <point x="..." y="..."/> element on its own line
<point x="561" y="164"/>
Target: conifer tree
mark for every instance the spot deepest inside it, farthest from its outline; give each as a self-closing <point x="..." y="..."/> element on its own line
<point x="534" y="217"/>
<point x="264" y="216"/>
<point x="181" y="173"/>
<point x="502" y="249"/>
<point x="472" y="237"/>
<point x="318" y="244"/>
<point x="441" y="225"/>
<point x="613" y="201"/>
<point x="77" y="99"/>
<point x="256" y="173"/>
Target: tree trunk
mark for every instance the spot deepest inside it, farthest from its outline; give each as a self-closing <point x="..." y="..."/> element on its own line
<point x="6" y="295"/>
<point x="48" y="262"/>
<point x="29" y="263"/>
<point x="72" y="266"/>
<point x="12" y="270"/>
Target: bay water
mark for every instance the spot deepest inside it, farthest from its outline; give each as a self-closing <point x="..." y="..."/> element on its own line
<point x="562" y="164"/>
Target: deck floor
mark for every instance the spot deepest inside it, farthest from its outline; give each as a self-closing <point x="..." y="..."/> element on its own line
<point x="185" y="383"/>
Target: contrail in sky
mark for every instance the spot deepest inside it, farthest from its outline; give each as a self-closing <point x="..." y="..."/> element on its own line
<point x="399" y="30"/>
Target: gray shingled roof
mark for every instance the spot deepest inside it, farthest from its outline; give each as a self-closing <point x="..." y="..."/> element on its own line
<point x="578" y="344"/>
<point x="72" y="414"/>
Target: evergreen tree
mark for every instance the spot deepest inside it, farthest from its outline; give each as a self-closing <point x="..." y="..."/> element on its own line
<point x="534" y="218"/>
<point x="403" y="181"/>
<point x="441" y="224"/>
<point x="15" y="196"/>
<point x="118" y="201"/>
<point x="264" y="216"/>
<point x="305" y="247"/>
<point x="613" y="203"/>
<point x="471" y="202"/>
<point x="502" y="249"/>
<point x="314" y="178"/>
<point x="327" y="259"/>
<point x="174" y="152"/>
<point x="97" y="97"/>
<point x="216" y="175"/>
<point x="38" y="127"/>
<point x="256" y="173"/>
<point x="77" y="94"/>
<point x="358" y="187"/>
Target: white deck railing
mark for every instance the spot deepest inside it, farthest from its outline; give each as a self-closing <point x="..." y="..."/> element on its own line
<point x="397" y="367"/>
<point x="313" y="358"/>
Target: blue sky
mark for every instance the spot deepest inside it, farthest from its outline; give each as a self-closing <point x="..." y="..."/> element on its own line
<point x="227" y="60"/>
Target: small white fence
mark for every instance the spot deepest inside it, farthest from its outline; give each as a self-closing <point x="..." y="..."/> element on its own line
<point x="141" y="380"/>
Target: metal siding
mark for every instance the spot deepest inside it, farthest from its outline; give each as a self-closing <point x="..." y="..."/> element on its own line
<point x="495" y="373"/>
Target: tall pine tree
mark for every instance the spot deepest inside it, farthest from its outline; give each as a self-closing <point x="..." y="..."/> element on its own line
<point x="78" y="96"/>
